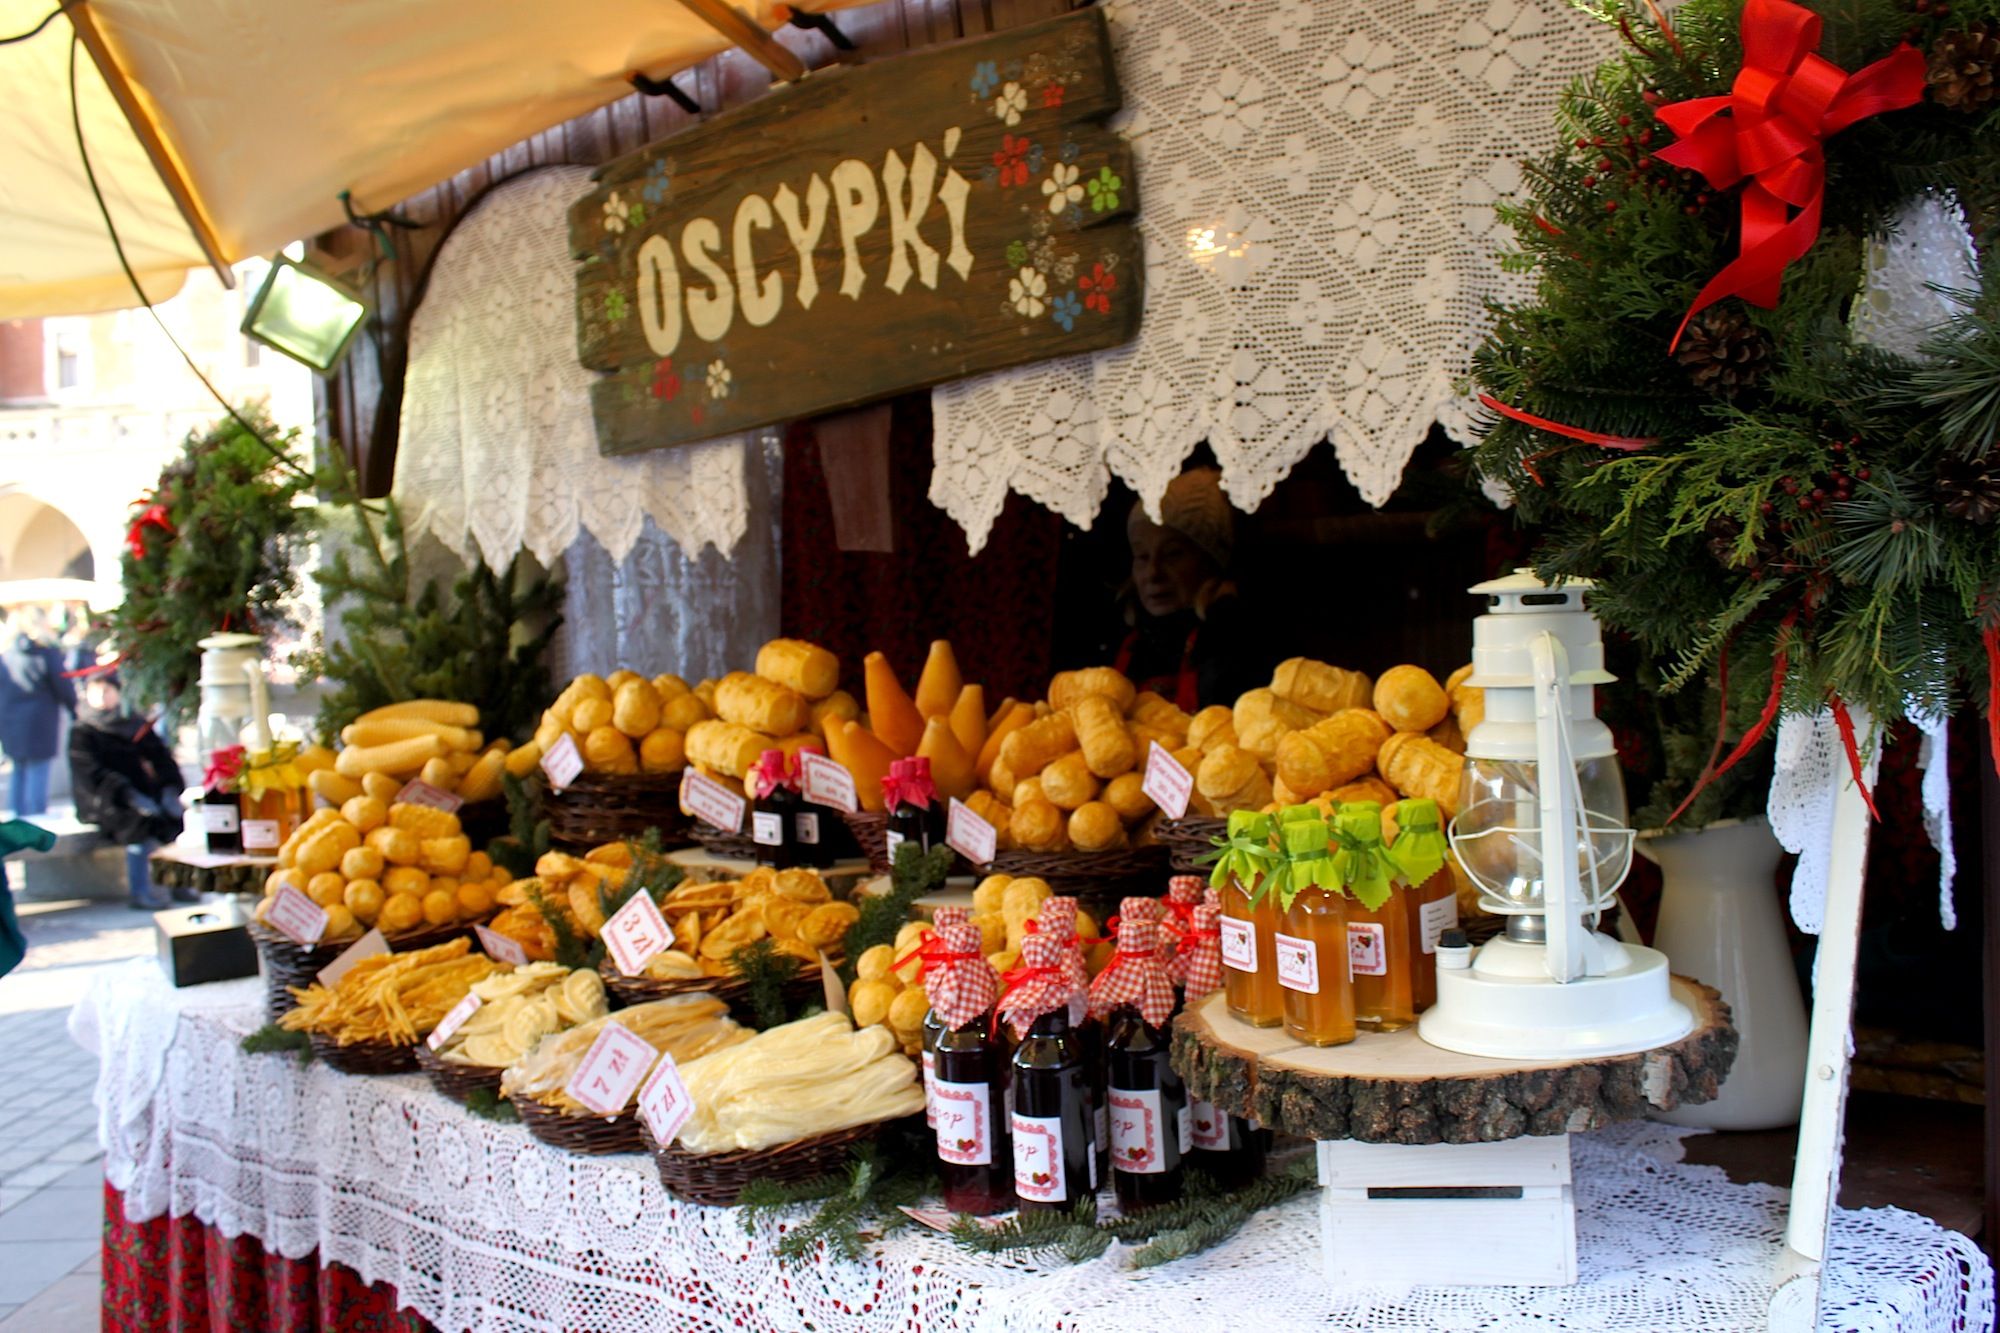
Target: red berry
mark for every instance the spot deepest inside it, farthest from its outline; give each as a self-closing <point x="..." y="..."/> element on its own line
<point x="1645" y="161"/>
<point x="1819" y="495"/>
<point x="1941" y="11"/>
<point x="1838" y="446"/>
<point x="1791" y="487"/>
<point x="1597" y="141"/>
<point x="1611" y="205"/>
<point x="1604" y="164"/>
<point x="1861" y="473"/>
<point x="1645" y="136"/>
<point x="1766" y="507"/>
<point x="1589" y="182"/>
<point x="1583" y="143"/>
<point x="1839" y="478"/>
<point x="1652" y="98"/>
<point x="1703" y="197"/>
<point x="1624" y="120"/>
<point x="1689" y="209"/>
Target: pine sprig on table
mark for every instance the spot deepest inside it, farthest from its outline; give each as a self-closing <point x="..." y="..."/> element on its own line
<point x="490" y="1105"/>
<point x="861" y="1203"/>
<point x="1075" y="1236"/>
<point x="272" y="1039"/>
<point x="766" y="971"/>
<point x="914" y="874"/>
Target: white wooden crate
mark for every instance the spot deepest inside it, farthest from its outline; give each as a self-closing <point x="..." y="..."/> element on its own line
<point x="1456" y="1214"/>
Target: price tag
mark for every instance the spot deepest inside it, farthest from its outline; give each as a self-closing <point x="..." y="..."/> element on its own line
<point x="635" y="933"/>
<point x="366" y="947"/>
<point x="562" y="763"/>
<point x="836" y="994"/>
<point x="500" y="948"/>
<point x="296" y="917"/>
<point x="827" y="783"/>
<point x="1167" y="782"/>
<point x="418" y="792"/>
<point x="969" y="835"/>
<point x="711" y="802"/>
<point x="611" y="1069"/>
<point x="453" y="1020"/>
<point x="941" y="1219"/>
<point x="664" y="1101"/>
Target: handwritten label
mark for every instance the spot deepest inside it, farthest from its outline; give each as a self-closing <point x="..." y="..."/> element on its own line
<point x="296" y="917"/>
<point x="1239" y="943"/>
<point x="635" y="933"/>
<point x="1169" y="784"/>
<point x="418" y="792"/>
<point x="453" y="1020"/>
<point x="711" y="802"/>
<point x="561" y="763"/>
<point x="827" y="783"/>
<point x="1210" y="1125"/>
<point x="665" y="1102"/>
<point x="1137" y="1146"/>
<point x="1298" y="964"/>
<point x="1436" y="918"/>
<point x="611" y="1069"/>
<point x="1039" y="1158"/>
<point x="964" y="1122"/>
<point x="500" y="948"/>
<point x="261" y="835"/>
<point x="942" y="1219"/>
<point x="767" y="828"/>
<point x="366" y="947"/>
<point x="969" y="835"/>
<point x="1367" y="949"/>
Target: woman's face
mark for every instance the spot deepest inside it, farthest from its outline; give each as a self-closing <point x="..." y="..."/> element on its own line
<point x="1167" y="569"/>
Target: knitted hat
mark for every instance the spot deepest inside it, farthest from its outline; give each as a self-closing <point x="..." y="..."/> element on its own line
<point x="1195" y="507"/>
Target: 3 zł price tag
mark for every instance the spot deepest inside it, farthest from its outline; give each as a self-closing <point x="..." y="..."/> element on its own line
<point x="611" y="1069"/>
<point x="827" y="783"/>
<point x="665" y="1102"/>
<point x="969" y="835"/>
<point x="500" y="948"/>
<point x="418" y="792"/>
<point x="562" y="763"/>
<point x="635" y="933"/>
<point x="366" y="947"/>
<point x="453" y="1020"/>
<point x="296" y="917"/>
<point x="1167" y="782"/>
<point x="711" y="802"/>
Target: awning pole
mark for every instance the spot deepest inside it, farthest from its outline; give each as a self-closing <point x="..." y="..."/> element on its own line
<point x="732" y="23"/>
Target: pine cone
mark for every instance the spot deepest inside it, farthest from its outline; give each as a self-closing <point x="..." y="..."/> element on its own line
<point x="1724" y="352"/>
<point x="1969" y="488"/>
<point x="1962" y="68"/>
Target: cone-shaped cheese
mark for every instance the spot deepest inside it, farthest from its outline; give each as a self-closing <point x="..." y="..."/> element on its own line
<point x="895" y="720"/>
<point x="951" y="763"/>
<point x="968" y="718"/>
<point x="938" y="687"/>
<point x="861" y="754"/>
<point x="1020" y="715"/>
<point x="1000" y="710"/>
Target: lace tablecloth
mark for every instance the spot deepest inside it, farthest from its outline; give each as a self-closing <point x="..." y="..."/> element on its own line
<point x="477" y="1226"/>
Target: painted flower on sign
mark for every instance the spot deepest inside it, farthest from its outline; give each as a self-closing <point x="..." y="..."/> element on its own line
<point x="666" y="381"/>
<point x="1026" y="290"/>
<point x="985" y="78"/>
<point x="616" y="213"/>
<point x="1103" y="189"/>
<point x="1097" y="286"/>
<point x="1017" y="254"/>
<point x="1052" y="95"/>
<point x="718" y="379"/>
<point x="1065" y="310"/>
<point x="658" y="182"/>
<point x="1011" y="157"/>
<point x="1063" y="187"/>
<point x="614" y="306"/>
<point x="1011" y="103"/>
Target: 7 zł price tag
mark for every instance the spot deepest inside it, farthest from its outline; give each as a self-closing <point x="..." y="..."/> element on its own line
<point x="1167" y="782"/>
<point x="453" y="1021"/>
<point x="418" y="792"/>
<point x="665" y="1102"/>
<point x="635" y="932"/>
<point x="711" y="802"/>
<point x="611" y="1069"/>
<point x="827" y="783"/>
<point x="562" y="763"/>
<point x="366" y="947"/>
<point x="969" y="835"/>
<point x="296" y="917"/>
<point x="500" y="948"/>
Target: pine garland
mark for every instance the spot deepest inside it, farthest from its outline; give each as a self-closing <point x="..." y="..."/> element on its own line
<point x="1801" y="512"/>
<point x="272" y="1039"/>
<point x="527" y="836"/>
<point x="914" y="874"/>
<point x="767" y="972"/>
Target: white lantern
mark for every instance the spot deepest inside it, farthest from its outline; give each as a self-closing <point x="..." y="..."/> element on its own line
<point x="1541" y="829"/>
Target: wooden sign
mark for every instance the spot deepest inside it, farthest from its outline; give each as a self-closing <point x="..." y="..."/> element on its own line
<point x="869" y="230"/>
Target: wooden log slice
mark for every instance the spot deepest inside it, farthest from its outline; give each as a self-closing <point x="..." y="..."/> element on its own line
<point x="1395" y="1087"/>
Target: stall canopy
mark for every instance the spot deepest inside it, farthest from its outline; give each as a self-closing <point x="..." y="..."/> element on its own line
<point x="266" y="112"/>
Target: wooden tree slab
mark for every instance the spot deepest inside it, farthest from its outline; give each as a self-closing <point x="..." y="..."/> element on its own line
<point x="1397" y="1088"/>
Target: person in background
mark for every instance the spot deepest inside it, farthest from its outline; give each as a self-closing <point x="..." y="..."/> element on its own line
<point x="79" y="644"/>
<point x="33" y="697"/>
<point x="126" y="782"/>
<point x="1186" y="638"/>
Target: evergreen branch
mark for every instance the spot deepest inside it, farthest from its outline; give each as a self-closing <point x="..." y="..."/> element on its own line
<point x="767" y="972"/>
<point x="914" y="874"/>
<point x="490" y="1105"/>
<point x="271" y="1038"/>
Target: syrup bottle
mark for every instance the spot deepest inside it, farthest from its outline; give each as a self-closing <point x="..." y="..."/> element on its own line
<point x="1057" y="920"/>
<point x="1312" y="948"/>
<point x="1419" y="855"/>
<point x="1134" y="997"/>
<point x="911" y="799"/>
<point x="772" y="784"/>
<point x="970" y="1091"/>
<point x="934" y="1024"/>
<point x="1228" y="1148"/>
<point x="1378" y="923"/>
<point x="1055" y="1148"/>
<point x="1249" y="921"/>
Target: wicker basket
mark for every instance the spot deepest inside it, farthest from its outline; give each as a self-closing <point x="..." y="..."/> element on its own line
<point x="1096" y="879"/>
<point x="733" y="991"/>
<point x="286" y="964"/>
<point x="718" y="1178"/>
<point x="590" y="1135"/>
<point x="871" y="832"/>
<point x="729" y="846"/>
<point x="604" y="807"/>
<point x="1189" y="839"/>
<point x="455" y="1080"/>
<point x="364" y="1057"/>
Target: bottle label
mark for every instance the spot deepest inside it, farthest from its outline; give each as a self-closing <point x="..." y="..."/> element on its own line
<point x="1138" y="1144"/>
<point x="964" y="1122"/>
<point x="930" y="1088"/>
<point x="1183" y="1128"/>
<point x="1038" y="1159"/>
<point x="261" y="835"/>
<point x="895" y="840"/>
<point x="1239" y="944"/>
<point x="1298" y="964"/>
<point x="805" y="824"/>
<point x="1367" y="949"/>
<point x="1436" y="918"/>
<point x="767" y="829"/>
<point x="1210" y="1126"/>
<point x="220" y="818"/>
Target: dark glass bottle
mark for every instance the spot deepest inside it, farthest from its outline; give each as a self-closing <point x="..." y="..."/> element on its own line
<point x="1227" y="1148"/>
<point x="974" y="1145"/>
<point x="1055" y="1153"/>
<point x="1090" y="1037"/>
<point x="1149" y="1113"/>
<point x="812" y="834"/>
<point x="909" y="822"/>
<point x="774" y="821"/>
<point x="222" y="822"/>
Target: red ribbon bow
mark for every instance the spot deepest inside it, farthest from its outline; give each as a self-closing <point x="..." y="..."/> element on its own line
<point x="223" y="766"/>
<point x="773" y="769"/>
<point x="1785" y="102"/>
<point x="909" y="780"/>
<point x="154" y="516"/>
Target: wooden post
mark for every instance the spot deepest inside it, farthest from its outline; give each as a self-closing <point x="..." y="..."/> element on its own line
<point x="730" y="21"/>
<point x="1816" y="1170"/>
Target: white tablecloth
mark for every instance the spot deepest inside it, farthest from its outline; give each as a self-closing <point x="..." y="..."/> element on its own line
<point x="477" y="1226"/>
